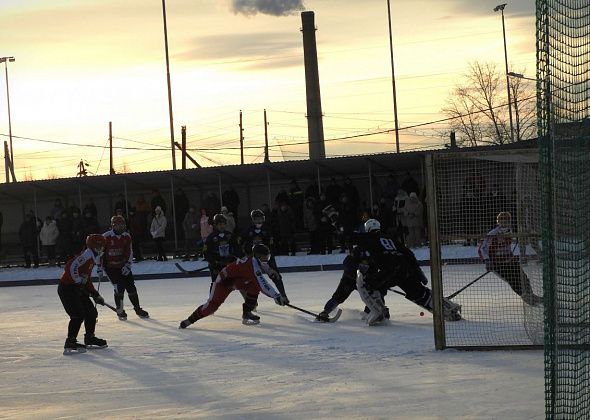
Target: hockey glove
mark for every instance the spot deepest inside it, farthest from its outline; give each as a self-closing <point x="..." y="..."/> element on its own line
<point x="98" y="299"/>
<point x="126" y="270"/>
<point x="281" y="300"/>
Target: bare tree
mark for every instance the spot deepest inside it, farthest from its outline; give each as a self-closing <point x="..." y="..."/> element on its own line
<point x="478" y="108"/>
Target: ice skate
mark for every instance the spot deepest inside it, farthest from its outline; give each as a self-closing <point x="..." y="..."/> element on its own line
<point x="185" y="323"/>
<point x="122" y="314"/>
<point x="72" y="346"/>
<point x="323" y="316"/>
<point x="95" y="342"/>
<point x="451" y="310"/>
<point x="375" y="318"/>
<point x="248" y="318"/>
<point x="141" y="313"/>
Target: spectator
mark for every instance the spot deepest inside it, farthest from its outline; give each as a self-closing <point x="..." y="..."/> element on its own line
<point x="414" y="211"/>
<point x="137" y="228"/>
<point x="231" y="200"/>
<point x="181" y="206"/>
<point x="351" y="192"/>
<point x="296" y="203"/>
<point x="390" y="190"/>
<point x="143" y="212"/>
<point x="90" y="226"/>
<point x="230" y="224"/>
<point x="28" y="233"/>
<point x="348" y="219"/>
<point x="158" y="232"/>
<point x="212" y="205"/>
<point x="57" y="209"/>
<point x="311" y="222"/>
<point x="286" y="224"/>
<point x="90" y="207"/>
<point x="1" y="222"/>
<point x="313" y="190"/>
<point x="399" y="213"/>
<point x="192" y="233"/>
<point x="282" y="197"/>
<point x="157" y="201"/>
<point x="333" y="191"/>
<point x="48" y="236"/>
<point x="409" y="184"/>
<point x="78" y="237"/>
<point x="121" y="204"/>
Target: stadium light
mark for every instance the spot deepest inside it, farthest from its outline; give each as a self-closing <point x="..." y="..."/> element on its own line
<point x="169" y="88"/>
<point x="500" y="8"/>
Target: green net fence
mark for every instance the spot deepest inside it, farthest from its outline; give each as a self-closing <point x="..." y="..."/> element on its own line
<point x="563" y="70"/>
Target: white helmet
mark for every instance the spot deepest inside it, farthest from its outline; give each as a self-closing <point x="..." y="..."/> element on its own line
<point x="372" y="225"/>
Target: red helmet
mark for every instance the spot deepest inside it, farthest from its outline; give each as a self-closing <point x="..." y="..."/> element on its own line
<point x="95" y="242"/>
<point x="118" y="223"/>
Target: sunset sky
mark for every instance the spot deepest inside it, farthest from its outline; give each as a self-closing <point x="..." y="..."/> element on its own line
<point x="82" y="63"/>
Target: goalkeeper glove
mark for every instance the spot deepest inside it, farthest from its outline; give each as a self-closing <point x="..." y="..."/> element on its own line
<point x="98" y="299"/>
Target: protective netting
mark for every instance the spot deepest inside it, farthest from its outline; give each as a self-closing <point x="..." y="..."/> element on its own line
<point x="502" y="307"/>
<point x="563" y="70"/>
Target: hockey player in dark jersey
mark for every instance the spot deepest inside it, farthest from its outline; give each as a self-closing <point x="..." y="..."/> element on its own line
<point x="245" y="275"/>
<point x="259" y="233"/>
<point x="383" y="262"/>
<point x="220" y="247"/>
<point x="496" y="251"/>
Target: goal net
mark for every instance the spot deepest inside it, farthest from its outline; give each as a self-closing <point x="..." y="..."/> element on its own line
<point x="497" y="272"/>
<point x="563" y="97"/>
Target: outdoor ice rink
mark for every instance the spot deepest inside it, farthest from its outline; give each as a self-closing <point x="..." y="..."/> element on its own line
<point x="288" y="367"/>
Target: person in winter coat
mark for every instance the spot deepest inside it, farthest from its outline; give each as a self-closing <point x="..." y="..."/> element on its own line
<point x="311" y="222"/>
<point x="414" y="210"/>
<point x="399" y="215"/>
<point x="27" y="233"/>
<point x="64" y="240"/>
<point x="287" y="228"/>
<point x="230" y="224"/>
<point x="48" y="236"/>
<point x="192" y="232"/>
<point x="158" y="232"/>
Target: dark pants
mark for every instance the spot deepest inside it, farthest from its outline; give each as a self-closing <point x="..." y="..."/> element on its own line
<point x="121" y="284"/>
<point x="31" y="251"/>
<point x="50" y="252"/>
<point x="80" y="309"/>
<point x="160" y="248"/>
<point x="512" y="273"/>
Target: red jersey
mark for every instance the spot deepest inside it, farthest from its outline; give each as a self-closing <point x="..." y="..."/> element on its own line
<point x="79" y="269"/>
<point x="497" y="246"/>
<point x="117" y="249"/>
<point x="244" y="273"/>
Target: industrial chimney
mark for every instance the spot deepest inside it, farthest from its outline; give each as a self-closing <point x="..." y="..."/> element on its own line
<point x="315" y="127"/>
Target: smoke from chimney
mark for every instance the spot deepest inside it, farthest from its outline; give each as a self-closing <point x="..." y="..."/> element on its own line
<point x="267" y="7"/>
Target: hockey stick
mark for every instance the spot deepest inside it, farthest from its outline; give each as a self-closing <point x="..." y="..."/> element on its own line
<point x="333" y="319"/>
<point x="110" y="307"/>
<point x="184" y="270"/>
<point x="467" y="285"/>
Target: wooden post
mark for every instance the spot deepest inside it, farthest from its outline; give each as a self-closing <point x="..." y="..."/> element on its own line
<point x="266" y="159"/>
<point x="112" y="169"/>
<point x="241" y="140"/>
<point x="183" y="132"/>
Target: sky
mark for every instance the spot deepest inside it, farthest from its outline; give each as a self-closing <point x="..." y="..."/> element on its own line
<point x="82" y="64"/>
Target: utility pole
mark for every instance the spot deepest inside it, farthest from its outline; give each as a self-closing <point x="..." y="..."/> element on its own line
<point x="501" y="9"/>
<point x="183" y="133"/>
<point x="266" y="159"/>
<point x="112" y="168"/>
<point x="6" y="162"/>
<point x="82" y="169"/>
<point x="393" y="79"/>
<point x="169" y="87"/>
<point x="241" y="139"/>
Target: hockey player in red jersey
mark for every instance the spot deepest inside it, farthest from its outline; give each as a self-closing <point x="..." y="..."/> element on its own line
<point x="118" y="257"/>
<point x="75" y="289"/>
<point x="245" y="275"/>
<point x="496" y="251"/>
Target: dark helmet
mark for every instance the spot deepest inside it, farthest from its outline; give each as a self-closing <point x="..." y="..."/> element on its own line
<point x="219" y="218"/>
<point x="261" y="252"/>
<point x="257" y="215"/>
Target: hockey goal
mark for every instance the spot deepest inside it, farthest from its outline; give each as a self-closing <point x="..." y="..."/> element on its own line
<point x="465" y="193"/>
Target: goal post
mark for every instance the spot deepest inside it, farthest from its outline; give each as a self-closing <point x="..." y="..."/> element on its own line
<point x="501" y="303"/>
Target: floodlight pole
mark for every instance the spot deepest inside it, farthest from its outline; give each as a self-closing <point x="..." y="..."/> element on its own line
<point x="169" y="87"/>
<point x="393" y="78"/>
<point x="501" y="9"/>
<point x="5" y="60"/>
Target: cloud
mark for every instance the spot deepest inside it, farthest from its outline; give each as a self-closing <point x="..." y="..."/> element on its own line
<point x="255" y="50"/>
<point x="483" y="8"/>
<point x="267" y="7"/>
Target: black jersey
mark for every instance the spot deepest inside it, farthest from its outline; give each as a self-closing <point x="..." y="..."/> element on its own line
<point x="256" y="235"/>
<point x="220" y="248"/>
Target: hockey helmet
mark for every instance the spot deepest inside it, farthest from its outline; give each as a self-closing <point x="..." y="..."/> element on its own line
<point x="118" y="223"/>
<point x="95" y="242"/>
<point x="261" y="252"/>
<point x="372" y="225"/>
<point x="257" y="216"/>
<point x="503" y="219"/>
<point x="219" y="218"/>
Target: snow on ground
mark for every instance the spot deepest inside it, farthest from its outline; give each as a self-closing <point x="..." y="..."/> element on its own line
<point x="288" y="367"/>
